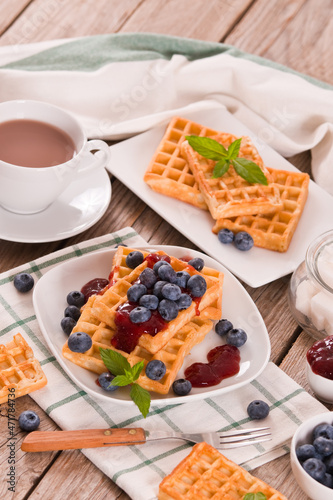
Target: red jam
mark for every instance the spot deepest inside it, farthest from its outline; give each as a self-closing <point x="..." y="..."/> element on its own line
<point x="94" y="287"/>
<point x="152" y="258"/>
<point x="223" y="362"/>
<point x="128" y="333"/>
<point x="320" y="357"/>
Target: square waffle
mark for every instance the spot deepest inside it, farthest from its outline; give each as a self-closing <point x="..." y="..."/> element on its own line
<point x="19" y="369"/>
<point x="275" y="230"/>
<point x="105" y="306"/>
<point x="206" y="473"/>
<point x="231" y="195"/>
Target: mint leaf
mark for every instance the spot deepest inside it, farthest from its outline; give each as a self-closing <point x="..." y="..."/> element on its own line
<point x="115" y="362"/>
<point x="121" y="381"/>
<point x="233" y="149"/>
<point x="141" y="398"/>
<point x="209" y="148"/>
<point x="137" y="369"/>
<point x="250" y="171"/>
<point x="255" y="496"/>
<point x="221" y="168"/>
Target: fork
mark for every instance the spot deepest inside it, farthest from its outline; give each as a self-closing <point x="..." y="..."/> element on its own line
<point x="95" y="438"/>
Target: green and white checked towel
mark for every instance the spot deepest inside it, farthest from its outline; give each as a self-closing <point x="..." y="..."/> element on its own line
<point x="139" y="469"/>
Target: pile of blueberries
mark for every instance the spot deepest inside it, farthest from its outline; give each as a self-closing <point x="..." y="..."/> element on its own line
<point x="317" y="458"/>
<point x="162" y="288"/>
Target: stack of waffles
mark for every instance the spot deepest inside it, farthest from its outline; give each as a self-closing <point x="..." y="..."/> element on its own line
<point x="20" y="371"/>
<point x="270" y="214"/>
<point x="170" y="345"/>
<point x="206" y="473"/>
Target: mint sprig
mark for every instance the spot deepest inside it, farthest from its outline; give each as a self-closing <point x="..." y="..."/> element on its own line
<point x="213" y="150"/>
<point x="255" y="496"/>
<point x="125" y="374"/>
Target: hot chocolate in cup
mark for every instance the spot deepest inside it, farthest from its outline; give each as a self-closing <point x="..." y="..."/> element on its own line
<point x="42" y="150"/>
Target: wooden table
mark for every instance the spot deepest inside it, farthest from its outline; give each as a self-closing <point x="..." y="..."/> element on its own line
<point x="296" y="34"/>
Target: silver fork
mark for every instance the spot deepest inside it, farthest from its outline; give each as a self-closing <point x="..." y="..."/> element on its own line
<point x="95" y="438"/>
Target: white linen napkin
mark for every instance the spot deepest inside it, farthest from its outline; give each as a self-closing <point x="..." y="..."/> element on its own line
<point x="140" y="469"/>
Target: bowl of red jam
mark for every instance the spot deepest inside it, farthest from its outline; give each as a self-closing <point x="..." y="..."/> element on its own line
<point x="319" y="369"/>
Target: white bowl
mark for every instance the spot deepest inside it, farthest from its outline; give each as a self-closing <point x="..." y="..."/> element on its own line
<point x="321" y="386"/>
<point x="303" y="435"/>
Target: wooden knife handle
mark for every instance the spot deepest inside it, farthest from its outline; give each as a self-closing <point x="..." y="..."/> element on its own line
<point x="87" y="438"/>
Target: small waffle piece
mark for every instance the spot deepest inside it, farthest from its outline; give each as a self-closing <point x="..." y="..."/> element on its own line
<point x="231" y="195"/>
<point x="274" y="231"/>
<point x="206" y="473"/>
<point x="19" y="369"/>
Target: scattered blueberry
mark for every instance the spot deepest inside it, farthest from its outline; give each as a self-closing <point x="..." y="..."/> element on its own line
<point x="149" y="301"/>
<point x="171" y="291"/>
<point x="135" y="292"/>
<point x="105" y="380"/>
<point x="79" y="342"/>
<point x="134" y="259"/>
<point x="155" y="369"/>
<point x="23" y="282"/>
<point x="257" y="410"/>
<point x="225" y="236"/>
<point x="197" y="263"/>
<point x="167" y="273"/>
<point x="76" y="298"/>
<point x="323" y="446"/>
<point x="305" y="451"/>
<point x="323" y="430"/>
<point x="72" y="312"/>
<point x="184" y="301"/>
<point x="182" y="278"/>
<point x="160" y="263"/>
<point x="315" y="468"/>
<point x="243" y="241"/>
<point x="197" y="285"/>
<point x="223" y="326"/>
<point x="121" y="245"/>
<point x="236" y="337"/>
<point x="148" y="277"/>
<point x="168" y="309"/>
<point x="28" y="421"/>
<point x="181" y="387"/>
<point x="157" y="290"/>
<point x="140" y="315"/>
<point x="67" y="324"/>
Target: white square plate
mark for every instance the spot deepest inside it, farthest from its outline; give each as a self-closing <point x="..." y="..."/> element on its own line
<point x="129" y="161"/>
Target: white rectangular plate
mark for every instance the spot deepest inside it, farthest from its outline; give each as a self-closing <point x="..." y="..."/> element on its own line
<point x="129" y="161"/>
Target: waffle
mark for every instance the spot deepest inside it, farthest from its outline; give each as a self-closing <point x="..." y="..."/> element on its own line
<point x="19" y="369"/>
<point x="231" y="195"/>
<point x="105" y="306"/>
<point x="274" y="231"/>
<point x="206" y="473"/>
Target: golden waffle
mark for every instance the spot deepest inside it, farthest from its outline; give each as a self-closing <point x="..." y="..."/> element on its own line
<point x="274" y="231"/>
<point x="209" y="306"/>
<point x="206" y="473"/>
<point x="172" y="354"/>
<point x="231" y="195"/>
<point x="19" y="369"/>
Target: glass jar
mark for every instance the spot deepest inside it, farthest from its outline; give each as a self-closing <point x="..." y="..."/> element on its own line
<point x="311" y="288"/>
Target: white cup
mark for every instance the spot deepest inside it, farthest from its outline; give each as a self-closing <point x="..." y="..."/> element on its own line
<point x="30" y="190"/>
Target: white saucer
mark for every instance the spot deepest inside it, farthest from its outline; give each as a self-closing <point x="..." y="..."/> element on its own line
<point x="79" y="207"/>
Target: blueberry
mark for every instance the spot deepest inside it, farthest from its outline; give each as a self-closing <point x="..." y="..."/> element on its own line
<point x="140" y="315"/>
<point x="329" y="464"/>
<point x="155" y="369"/>
<point x="72" y="312"/>
<point x="236" y="337"/>
<point x="28" y="421"/>
<point x="181" y="387"/>
<point x="328" y="480"/>
<point x="223" y="326"/>
<point x="197" y="285"/>
<point x="182" y="278"/>
<point x="149" y="301"/>
<point x="225" y="236"/>
<point x="305" y="451"/>
<point x="168" y="309"/>
<point x="135" y="292"/>
<point x="79" y="342"/>
<point x="257" y="410"/>
<point x="315" y="468"/>
<point x="323" y="430"/>
<point x="157" y="290"/>
<point x="171" y="291"/>
<point x="76" y="298"/>
<point x="167" y="273"/>
<point x="323" y="446"/>
<point x="148" y="278"/>
<point x="134" y="259"/>
<point x="184" y="301"/>
<point x="197" y="263"/>
<point x="158" y="264"/>
<point x="67" y="324"/>
<point x="243" y="241"/>
<point x="105" y="380"/>
<point x="23" y="282"/>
